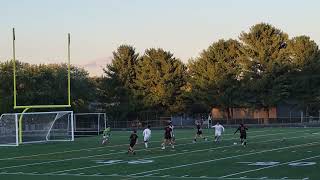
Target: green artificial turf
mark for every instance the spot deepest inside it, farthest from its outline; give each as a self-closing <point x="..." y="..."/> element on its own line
<point x="271" y="153"/>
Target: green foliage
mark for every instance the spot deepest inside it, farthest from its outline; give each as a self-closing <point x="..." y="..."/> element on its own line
<point x="266" y="65"/>
<point x="160" y="80"/>
<point x="215" y="75"/>
<point x="44" y="84"/>
<point x="262" y="69"/>
<point x="305" y="76"/>
<point x="116" y="86"/>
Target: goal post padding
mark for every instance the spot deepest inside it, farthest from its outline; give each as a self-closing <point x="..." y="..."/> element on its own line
<point x="47" y="126"/>
<point x="9" y="130"/>
<point x="87" y="124"/>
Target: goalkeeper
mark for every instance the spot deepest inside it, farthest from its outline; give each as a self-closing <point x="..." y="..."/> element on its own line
<point x="106" y="135"/>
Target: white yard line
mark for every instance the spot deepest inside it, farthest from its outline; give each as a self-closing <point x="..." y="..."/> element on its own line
<point x="115" y="153"/>
<point x="167" y="155"/>
<point x="99" y="155"/>
<point x="103" y="147"/>
<point x="258" y="169"/>
<point x="127" y="176"/>
<point x="69" y="151"/>
<point x="219" y="159"/>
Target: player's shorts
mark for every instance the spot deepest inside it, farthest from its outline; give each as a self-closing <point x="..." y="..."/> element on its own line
<point x="146" y="138"/>
<point x="167" y="136"/>
<point x="173" y="137"/>
<point x="132" y="143"/>
<point x="243" y="136"/>
<point x="217" y="134"/>
<point x="199" y="132"/>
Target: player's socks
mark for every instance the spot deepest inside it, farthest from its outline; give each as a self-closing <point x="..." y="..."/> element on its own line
<point x="163" y="146"/>
<point x="146" y="145"/>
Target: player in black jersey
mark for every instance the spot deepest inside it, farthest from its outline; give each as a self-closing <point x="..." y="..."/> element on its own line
<point x="167" y="137"/>
<point x="243" y="134"/>
<point x="133" y="140"/>
<point x="199" y="132"/>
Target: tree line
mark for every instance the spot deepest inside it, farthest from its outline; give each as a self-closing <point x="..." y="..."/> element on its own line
<point x="264" y="67"/>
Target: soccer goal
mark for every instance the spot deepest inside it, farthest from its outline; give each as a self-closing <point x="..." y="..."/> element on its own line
<point x="37" y="127"/>
<point x="9" y="130"/>
<point x="88" y="124"/>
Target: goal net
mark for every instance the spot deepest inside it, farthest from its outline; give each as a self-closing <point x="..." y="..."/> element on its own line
<point x="36" y="127"/>
<point x="9" y="130"/>
<point x="88" y="124"/>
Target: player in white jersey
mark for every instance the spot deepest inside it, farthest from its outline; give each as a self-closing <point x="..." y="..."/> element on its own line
<point x="172" y="132"/>
<point x="218" y="130"/>
<point x="146" y="136"/>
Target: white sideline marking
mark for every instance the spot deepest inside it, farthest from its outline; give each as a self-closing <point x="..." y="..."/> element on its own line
<point x="230" y="157"/>
<point x="76" y="150"/>
<point x="94" y="148"/>
<point x="98" y="155"/>
<point x="168" y="155"/>
<point x="151" y="174"/>
<point x="258" y="169"/>
<point x="126" y="176"/>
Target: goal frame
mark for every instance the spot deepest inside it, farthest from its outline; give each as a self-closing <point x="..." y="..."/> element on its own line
<point x="105" y="120"/>
<point x="17" y="126"/>
<point x="27" y="107"/>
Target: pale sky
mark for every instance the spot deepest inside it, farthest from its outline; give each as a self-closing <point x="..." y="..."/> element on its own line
<point x="98" y="27"/>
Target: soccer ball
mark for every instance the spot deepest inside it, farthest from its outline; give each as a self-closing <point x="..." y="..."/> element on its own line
<point x="234" y="143"/>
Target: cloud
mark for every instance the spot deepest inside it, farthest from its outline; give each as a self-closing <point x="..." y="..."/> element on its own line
<point x="95" y="67"/>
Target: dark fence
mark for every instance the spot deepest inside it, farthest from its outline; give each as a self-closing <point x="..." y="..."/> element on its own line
<point x="189" y="122"/>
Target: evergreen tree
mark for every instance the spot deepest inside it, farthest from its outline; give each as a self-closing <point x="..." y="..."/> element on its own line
<point x="160" y="80"/>
<point x="266" y="65"/>
<point x="117" y="86"/>
<point x="215" y="76"/>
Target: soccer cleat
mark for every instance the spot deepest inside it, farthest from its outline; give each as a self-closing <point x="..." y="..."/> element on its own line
<point x="163" y="148"/>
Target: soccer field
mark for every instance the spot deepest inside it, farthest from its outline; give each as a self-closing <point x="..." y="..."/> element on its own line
<point x="271" y="153"/>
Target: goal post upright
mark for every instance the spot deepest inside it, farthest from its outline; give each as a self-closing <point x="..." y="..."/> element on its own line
<point x="14" y="68"/>
<point x="27" y="107"/>
<point x="69" y="74"/>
